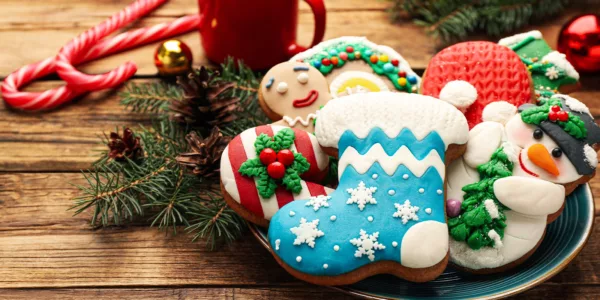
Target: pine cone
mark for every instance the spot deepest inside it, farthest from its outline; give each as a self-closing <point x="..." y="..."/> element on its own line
<point x="204" y="159"/>
<point x="205" y="101"/>
<point x="126" y="146"/>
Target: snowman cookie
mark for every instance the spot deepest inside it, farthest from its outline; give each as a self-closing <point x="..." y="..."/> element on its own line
<point x="387" y="213"/>
<point x="471" y="75"/>
<point x="531" y="158"/>
<point x="266" y="167"/>
<point x="550" y="70"/>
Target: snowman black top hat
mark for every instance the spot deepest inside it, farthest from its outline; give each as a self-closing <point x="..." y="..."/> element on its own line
<point x="570" y="124"/>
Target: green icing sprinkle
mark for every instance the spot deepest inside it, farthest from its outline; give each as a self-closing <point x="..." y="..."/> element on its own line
<point x="333" y="53"/>
<point x="474" y="222"/>
<point x="266" y="185"/>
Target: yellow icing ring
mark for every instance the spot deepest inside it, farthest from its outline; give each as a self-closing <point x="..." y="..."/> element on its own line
<point x="353" y="82"/>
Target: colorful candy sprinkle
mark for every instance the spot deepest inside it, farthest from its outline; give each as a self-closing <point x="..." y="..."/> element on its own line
<point x="374" y="59"/>
<point x="388" y="68"/>
<point x="317" y="64"/>
<point x="333" y="52"/>
<point x="395" y="62"/>
<point x="326" y="61"/>
<point x="335" y="60"/>
<point x="412" y="79"/>
<point x="344" y="56"/>
<point x="368" y="53"/>
<point x="402" y="81"/>
<point x="384" y="58"/>
<point x="349" y="49"/>
<point x="402" y="74"/>
<point x="357" y="54"/>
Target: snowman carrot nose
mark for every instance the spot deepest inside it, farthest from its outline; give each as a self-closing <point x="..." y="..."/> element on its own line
<point x="539" y="155"/>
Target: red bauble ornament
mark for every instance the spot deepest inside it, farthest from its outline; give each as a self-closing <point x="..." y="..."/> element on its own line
<point x="579" y="39"/>
<point x="553" y="116"/>
<point x="562" y="116"/>
<point x="267" y="156"/>
<point x="276" y="170"/>
<point x="286" y="157"/>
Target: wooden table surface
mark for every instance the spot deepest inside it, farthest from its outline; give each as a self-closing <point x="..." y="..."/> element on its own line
<point x="46" y="252"/>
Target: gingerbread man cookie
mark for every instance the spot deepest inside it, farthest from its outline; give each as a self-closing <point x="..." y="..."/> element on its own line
<point x="513" y="179"/>
<point x="473" y="74"/>
<point x="387" y="213"/>
<point x="266" y="167"/>
<point x="291" y="93"/>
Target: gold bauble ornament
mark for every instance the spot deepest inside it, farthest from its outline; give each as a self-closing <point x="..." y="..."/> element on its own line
<point x="173" y="57"/>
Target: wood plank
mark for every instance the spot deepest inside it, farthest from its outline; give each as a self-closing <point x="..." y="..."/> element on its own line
<point x="283" y="293"/>
<point x="42" y="245"/>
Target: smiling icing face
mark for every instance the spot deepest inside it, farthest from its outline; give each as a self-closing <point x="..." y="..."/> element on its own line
<point x="539" y="155"/>
<point x="294" y="91"/>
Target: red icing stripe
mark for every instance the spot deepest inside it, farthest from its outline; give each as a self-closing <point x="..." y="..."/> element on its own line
<point x="304" y="146"/>
<point x="245" y="185"/>
<point x="315" y="189"/>
<point x="266" y="129"/>
<point x="283" y="196"/>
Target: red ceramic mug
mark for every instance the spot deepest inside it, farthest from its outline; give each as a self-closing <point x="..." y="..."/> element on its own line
<point x="260" y="32"/>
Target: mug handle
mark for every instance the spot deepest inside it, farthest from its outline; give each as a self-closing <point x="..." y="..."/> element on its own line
<point x="318" y="9"/>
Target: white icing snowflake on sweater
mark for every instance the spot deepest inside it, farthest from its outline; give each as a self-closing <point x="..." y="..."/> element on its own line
<point x="361" y="195"/>
<point x="406" y="212"/>
<point x="307" y="232"/>
<point x="318" y="201"/>
<point x="367" y="244"/>
<point x="552" y="73"/>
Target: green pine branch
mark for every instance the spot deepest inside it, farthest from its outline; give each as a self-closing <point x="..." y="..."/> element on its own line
<point x="453" y="20"/>
<point x="150" y="97"/>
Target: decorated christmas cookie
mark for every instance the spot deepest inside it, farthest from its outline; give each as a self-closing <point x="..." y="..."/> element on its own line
<point x="387" y="213"/>
<point x="266" y="167"/>
<point x="550" y="70"/>
<point x="291" y="93"/>
<point x="354" y="64"/>
<point x="513" y="179"/>
<point x="473" y="74"/>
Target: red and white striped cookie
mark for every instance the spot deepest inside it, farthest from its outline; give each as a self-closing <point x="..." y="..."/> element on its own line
<point x="240" y="191"/>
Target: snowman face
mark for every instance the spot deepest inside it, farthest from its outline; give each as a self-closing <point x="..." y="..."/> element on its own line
<point x="294" y="89"/>
<point x="540" y="156"/>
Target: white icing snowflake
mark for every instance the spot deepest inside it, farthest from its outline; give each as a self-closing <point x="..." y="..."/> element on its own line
<point x="318" y="201"/>
<point x="552" y="73"/>
<point x="307" y="232"/>
<point x="367" y="244"/>
<point x="406" y="211"/>
<point x="361" y="195"/>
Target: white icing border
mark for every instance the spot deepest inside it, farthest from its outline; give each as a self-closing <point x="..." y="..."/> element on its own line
<point x="560" y="61"/>
<point x="391" y="53"/>
<point x="591" y="157"/>
<point x="391" y="112"/>
<point x="576" y="105"/>
<point x="511" y="40"/>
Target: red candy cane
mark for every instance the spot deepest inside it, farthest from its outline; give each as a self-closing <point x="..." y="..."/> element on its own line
<point x="52" y="98"/>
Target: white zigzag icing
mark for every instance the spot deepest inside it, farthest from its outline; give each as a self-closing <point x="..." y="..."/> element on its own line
<point x="403" y="156"/>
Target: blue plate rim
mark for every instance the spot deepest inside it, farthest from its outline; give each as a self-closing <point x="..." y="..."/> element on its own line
<point x="510" y="292"/>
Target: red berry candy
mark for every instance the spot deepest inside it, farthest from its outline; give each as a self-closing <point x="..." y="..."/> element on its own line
<point x="563" y="116"/>
<point x="402" y="74"/>
<point x="395" y="62"/>
<point x="555" y="108"/>
<point x="267" y="156"/>
<point x="349" y="49"/>
<point x="553" y="116"/>
<point x="286" y="157"/>
<point x="276" y="170"/>
<point x="326" y="61"/>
